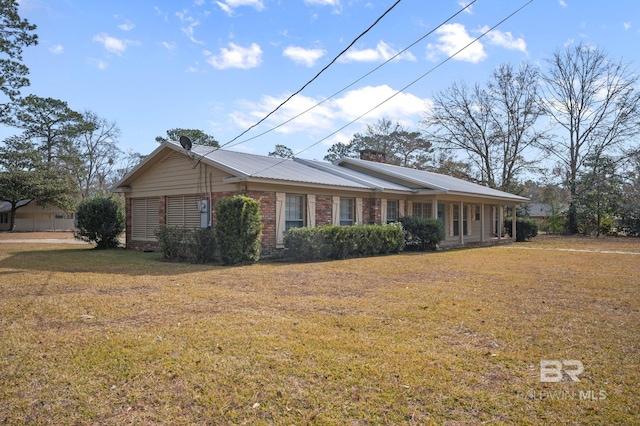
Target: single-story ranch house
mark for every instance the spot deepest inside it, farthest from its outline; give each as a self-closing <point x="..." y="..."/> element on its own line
<point x="175" y="187"/>
<point x="31" y="217"/>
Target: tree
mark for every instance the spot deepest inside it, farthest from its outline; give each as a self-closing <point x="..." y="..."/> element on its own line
<point x="96" y="149"/>
<point x="400" y="146"/>
<point x="599" y="190"/>
<point x="592" y="101"/>
<point x="196" y="136"/>
<point x="493" y="126"/>
<point x="15" y="33"/>
<point x="51" y="122"/>
<point x="101" y="220"/>
<point x="281" y="151"/>
<point x="24" y="176"/>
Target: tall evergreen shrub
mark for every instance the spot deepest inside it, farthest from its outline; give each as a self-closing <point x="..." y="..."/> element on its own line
<point x="100" y="220"/>
<point x="238" y="230"/>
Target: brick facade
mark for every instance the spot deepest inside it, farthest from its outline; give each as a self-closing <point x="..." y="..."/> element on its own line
<point x="324" y="208"/>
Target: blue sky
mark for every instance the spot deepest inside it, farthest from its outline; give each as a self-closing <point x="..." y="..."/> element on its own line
<point x="221" y="65"/>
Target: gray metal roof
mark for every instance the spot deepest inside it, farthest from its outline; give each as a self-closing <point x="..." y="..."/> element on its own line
<point x="347" y="173"/>
<point x="420" y="179"/>
<point x="5" y="206"/>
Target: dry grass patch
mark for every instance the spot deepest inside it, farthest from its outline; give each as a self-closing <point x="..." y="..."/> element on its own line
<point x="453" y="337"/>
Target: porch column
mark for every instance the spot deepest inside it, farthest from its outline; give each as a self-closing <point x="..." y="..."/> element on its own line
<point x="461" y="223"/>
<point x="513" y="222"/>
<point x="500" y="220"/>
<point x="482" y="222"/>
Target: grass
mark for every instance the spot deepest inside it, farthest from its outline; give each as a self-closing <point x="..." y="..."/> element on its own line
<point x="456" y="337"/>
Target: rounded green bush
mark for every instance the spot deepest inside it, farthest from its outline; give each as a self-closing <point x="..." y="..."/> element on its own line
<point x="100" y="220"/>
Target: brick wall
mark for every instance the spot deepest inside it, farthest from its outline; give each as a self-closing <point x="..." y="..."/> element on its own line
<point x="371" y="208"/>
<point x="268" y="212"/>
<point x="324" y="208"/>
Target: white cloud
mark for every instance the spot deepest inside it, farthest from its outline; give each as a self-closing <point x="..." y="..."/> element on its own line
<point x="334" y="3"/>
<point x="168" y="45"/>
<point x="228" y="6"/>
<point x="563" y="3"/>
<point x="127" y="26"/>
<point x="464" y="3"/>
<point x="189" y="30"/>
<point x="302" y="56"/>
<point x="325" y="118"/>
<point x="382" y="52"/>
<point x="98" y="63"/>
<point x="237" y="57"/>
<point x="506" y="40"/>
<point x="57" y="49"/>
<point x="113" y="44"/>
<point x="626" y="25"/>
<point x="356" y="102"/>
<point x="452" y="38"/>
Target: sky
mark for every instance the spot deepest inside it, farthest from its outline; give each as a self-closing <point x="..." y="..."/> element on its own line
<point x="222" y="65"/>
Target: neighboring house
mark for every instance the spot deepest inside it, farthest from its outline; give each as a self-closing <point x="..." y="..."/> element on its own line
<point x="173" y="187"/>
<point x="32" y="217"/>
<point x="540" y="211"/>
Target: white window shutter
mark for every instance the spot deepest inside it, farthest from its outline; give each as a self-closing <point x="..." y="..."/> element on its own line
<point x="401" y="208"/>
<point x="336" y="210"/>
<point x="383" y="210"/>
<point x="359" y="211"/>
<point x="311" y="211"/>
<point x="280" y="218"/>
<point x="409" y="208"/>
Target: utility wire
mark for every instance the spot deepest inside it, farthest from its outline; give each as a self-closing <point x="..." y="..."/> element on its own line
<point x="317" y="75"/>
<point x="404" y="88"/>
<point x="228" y="144"/>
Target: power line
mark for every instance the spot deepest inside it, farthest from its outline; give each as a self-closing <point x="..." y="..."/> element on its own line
<point x="356" y="81"/>
<point x="405" y="87"/>
<point x="316" y="76"/>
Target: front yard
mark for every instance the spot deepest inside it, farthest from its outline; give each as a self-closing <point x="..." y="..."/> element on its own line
<point x="455" y="337"/>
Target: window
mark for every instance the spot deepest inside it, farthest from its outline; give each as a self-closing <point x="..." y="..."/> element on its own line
<point x="145" y="218"/>
<point x="392" y="210"/>
<point x="476" y="213"/>
<point x="456" y="220"/>
<point x="182" y="211"/>
<point x="4" y="217"/>
<point x="421" y="210"/>
<point x="294" y="211"/>
<point x="346" y="211"/>
<point x="441" y="213"/>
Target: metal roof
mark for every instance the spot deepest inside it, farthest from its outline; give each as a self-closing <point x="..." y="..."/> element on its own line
<point x="5" y="206"/>
<point x="347" y="172"/>
<point x="421" y="179"/>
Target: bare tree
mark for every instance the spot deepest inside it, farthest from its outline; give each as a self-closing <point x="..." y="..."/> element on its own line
<point x="592" y="100"/>
<point x="97" y="152"/>
<point x="492" y="126"/>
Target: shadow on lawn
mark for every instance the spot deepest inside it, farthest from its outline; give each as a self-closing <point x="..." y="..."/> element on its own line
<point x="87" y="260"/>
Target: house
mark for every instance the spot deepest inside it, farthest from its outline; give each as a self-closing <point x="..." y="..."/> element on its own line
<point x="31" y="217"/>
<point x="174" y="187"/>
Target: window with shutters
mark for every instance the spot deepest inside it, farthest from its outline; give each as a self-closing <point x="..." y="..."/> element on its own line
<point x="144" y="219"/>
<point x="346" y="211"/>
<point x="294" y="211"/>
<point x="421" y="210"/>
<point x="182" y="211"/>
<point x="392" y="210"/>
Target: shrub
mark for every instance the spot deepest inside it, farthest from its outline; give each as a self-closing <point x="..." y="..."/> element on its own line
<point x="341" y="242"/>
<point x="100" y="220"/>
<point x="422" y="233"/>
<point x="238" y="230"/>
<point x="306" y="244"/>
<point x="202" y="245"/>
<point x="173" y="242"/>
<point x="526" y="228"/>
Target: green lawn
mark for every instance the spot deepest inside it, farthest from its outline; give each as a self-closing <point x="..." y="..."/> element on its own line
<point x="454" y="337"/>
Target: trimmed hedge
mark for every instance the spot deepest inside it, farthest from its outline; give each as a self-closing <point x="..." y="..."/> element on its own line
<point x="178" y="244"/>
<point x="526" y="228"/>
<point x="100" y="220"/>
<point x="238" y="230"/>
<point x="422" y="233"/>
<point x="341" y="242"/>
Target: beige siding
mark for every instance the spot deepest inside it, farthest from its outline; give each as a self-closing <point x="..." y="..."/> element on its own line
<point x="178" y="175"/>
